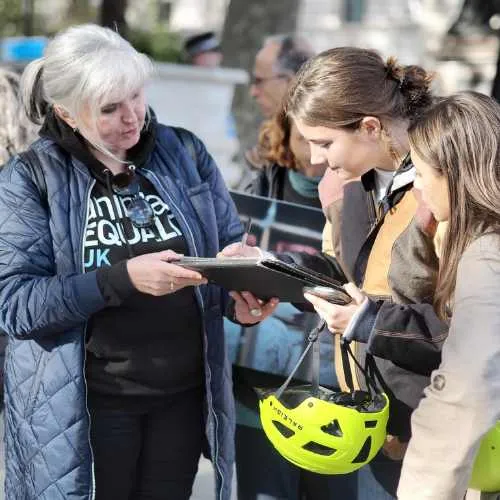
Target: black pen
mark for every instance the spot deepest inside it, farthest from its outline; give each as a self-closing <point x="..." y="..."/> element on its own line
<point x="247" y="232"/>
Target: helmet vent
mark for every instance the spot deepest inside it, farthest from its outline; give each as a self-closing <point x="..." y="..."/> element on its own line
<point x="370" y="424"/>
<point x="319" y="448"/>
<point x="364" y="452"/>
<point x="283" y="429"/>
<point x="333" y="428"/>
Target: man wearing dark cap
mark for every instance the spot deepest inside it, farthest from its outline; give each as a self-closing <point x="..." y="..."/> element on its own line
<point x="203" y="50"/>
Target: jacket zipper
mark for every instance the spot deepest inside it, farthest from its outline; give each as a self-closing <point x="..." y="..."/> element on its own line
<point x="159" y="187"/>
<point x="82" y="254"/>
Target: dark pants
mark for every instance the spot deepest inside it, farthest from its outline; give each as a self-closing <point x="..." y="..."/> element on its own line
<point x="263" y="474"/>
<point x="379" y="479"/>
<point x="148" y="455"/>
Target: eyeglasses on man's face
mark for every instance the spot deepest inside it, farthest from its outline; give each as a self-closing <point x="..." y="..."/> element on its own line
<point x="259" y="81"/>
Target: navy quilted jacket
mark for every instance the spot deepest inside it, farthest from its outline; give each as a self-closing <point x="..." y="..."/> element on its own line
<point x="46" y="300"/>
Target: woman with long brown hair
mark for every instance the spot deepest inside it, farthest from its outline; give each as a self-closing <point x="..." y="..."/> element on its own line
<point x="288" y="174"/>
<point x="456" y="151"/>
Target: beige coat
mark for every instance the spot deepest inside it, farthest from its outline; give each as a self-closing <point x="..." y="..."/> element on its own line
<point x="463" y="400"/>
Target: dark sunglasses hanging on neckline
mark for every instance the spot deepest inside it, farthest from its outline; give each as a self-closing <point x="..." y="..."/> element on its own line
<point x="127" y="184"/>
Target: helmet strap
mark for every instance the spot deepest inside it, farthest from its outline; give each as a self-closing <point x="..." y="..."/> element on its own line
<point x="316" y="361"/>
<point x="312" y="338"/>
<point x="346" y="351"/>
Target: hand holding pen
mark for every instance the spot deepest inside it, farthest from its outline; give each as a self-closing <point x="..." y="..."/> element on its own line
<point x="244" y="238"/>
<point x="241" y="248"/>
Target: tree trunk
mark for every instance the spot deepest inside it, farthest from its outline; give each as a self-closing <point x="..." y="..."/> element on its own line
<point x="28" y="17"/>
<point x="113" y="15"/>
<point x="79" y="11"/>
<point x="247" y="24"/>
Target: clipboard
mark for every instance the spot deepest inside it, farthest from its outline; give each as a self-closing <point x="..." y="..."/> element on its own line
<point x="265" y="278"/>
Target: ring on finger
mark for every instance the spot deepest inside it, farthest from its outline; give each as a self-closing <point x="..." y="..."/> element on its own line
<point x="256" y="312"/>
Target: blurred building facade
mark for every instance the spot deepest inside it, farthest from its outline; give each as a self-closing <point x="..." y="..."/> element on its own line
<point x="416" y="31"/>
<point x="413" y="30"/>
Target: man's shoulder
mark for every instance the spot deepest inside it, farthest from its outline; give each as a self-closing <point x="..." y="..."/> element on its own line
<point x="255" y="159"/>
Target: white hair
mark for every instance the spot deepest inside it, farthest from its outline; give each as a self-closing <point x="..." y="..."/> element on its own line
<point x="83" y="65"/>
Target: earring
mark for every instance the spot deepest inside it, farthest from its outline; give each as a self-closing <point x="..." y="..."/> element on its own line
<point x="75" y="130"/>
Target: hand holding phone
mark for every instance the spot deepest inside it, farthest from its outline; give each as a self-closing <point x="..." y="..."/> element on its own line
<point x="333" y="295"/>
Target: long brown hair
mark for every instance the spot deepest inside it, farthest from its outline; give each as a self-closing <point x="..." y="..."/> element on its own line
<point x="274" y="140"/>
<point x="459" y="138"/>
<point x="340" y="86"/>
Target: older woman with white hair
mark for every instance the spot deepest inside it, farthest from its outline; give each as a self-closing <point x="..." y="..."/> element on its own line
<point x="116" y="374"/>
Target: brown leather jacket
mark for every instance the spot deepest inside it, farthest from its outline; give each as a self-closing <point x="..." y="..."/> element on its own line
<point x="389" y="251"/>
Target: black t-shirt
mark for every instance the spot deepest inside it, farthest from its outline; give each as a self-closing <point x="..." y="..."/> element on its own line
<point x="141" y="345"/>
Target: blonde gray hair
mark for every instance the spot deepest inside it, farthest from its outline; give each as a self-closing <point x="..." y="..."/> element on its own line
<point x="83" y="65"/>
<point x="16" y="132"/>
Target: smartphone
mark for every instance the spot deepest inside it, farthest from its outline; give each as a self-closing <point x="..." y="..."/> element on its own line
<point x="333" y="295"/>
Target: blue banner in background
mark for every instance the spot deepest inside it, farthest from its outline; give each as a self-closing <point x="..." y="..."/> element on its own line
<point x="22" y="49"/>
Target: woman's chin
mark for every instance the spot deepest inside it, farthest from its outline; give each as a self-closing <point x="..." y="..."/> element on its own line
<point x="344" y="174"/>
<point x="130" y="142"/>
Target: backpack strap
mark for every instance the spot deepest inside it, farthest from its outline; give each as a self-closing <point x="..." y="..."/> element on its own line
<point x="34" y="166"/>
<point x="186" y="139"/>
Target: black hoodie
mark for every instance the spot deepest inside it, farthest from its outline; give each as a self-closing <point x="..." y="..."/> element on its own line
<point x="140" y="345"/>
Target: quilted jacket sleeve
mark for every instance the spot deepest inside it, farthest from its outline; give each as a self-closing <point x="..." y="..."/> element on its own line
<point x="228" y="222"/>
<point x="34" y="301"/>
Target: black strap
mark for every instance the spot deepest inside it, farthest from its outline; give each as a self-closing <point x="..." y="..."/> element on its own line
<point x="34" y="166"/>
<point x="367" y="373"/>
<point x="316" y="361"/>
<point x="346" y="366"/>
<point x="312" y="338"/>
<point x="186" y="139"/>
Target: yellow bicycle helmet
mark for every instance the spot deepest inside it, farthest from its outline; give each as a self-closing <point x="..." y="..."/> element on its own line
<point x="486" y="471"/>
<point x="320" y="430"/>
<point x="326" y="432"/>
